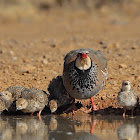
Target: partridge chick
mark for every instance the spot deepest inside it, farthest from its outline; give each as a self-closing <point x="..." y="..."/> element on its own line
<point x="59" y="97"/>
<point x="2" y="106"/>
<point x="127" y="97"/>
<point x="32" y="100"/>
<point x="10" y="95"/>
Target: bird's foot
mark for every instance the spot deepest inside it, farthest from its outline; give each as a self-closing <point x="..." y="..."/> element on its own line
<point x="31" y="114"/>
<point x="124" y="114"/>
<point x="92" y="109"/>
<point x="88" y="111"/>
<point x="72" y="108"/>
<point x="39" y="115"/>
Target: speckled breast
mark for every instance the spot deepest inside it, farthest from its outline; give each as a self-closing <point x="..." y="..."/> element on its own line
<point x="81" y="84"/>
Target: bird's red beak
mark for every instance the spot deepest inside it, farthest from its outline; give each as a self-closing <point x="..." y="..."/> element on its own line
<point x="84" y="55"/>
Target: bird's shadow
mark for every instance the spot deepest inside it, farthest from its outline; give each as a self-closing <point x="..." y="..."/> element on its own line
<point x="116" y="111"/>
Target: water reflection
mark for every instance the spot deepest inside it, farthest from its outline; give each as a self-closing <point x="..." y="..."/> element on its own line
<point x="128" y="131"/>
<point x="83" y="127"/>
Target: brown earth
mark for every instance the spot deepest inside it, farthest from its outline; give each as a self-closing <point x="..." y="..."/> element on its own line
<point x="33" y="45"/>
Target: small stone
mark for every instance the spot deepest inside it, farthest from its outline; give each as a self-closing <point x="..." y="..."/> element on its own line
<point x="114" y="45"/>
<point x="26" y="68"/>
<point x="104" y="47"/>
<point x="101" y="42"/>
<point x="113" y="82"/>
<point x="134" y="47"/>
<point x="137" y="77"/>
<point x="45" y="61"/>
<point x="26" y="60"/>
<point x="123" y="66"/>
<point x="11" y="52"/>
<point x="53" y="45"/>
<point x="14" y="58"/>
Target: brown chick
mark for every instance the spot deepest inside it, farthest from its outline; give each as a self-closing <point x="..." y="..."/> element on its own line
<point x="6" y="99"/>
<point x="15" y="91"/>
<point x="10" y="95"/>
<point x="2" y="106"/>
<point x="59" y="97"/>
<point x="32" y="100"/>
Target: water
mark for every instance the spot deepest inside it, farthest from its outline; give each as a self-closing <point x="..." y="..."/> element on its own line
<point x="83" y="127"/>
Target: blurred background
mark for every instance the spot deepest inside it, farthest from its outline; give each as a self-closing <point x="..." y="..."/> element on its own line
<point x="26" y="9"/>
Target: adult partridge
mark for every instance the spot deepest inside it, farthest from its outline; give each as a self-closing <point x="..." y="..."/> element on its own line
<point x="127" y="97"/>
<point x="84" y="73"/>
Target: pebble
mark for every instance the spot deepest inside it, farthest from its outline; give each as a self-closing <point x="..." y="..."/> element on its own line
<point x="27" y="68"/>
<point x="113" y="82"/>
<point x="45" y="61"/>
<point x="11" y="53"/>
<point x="14" y="58"/>
<point x="137" y="77"/>
<point x="114" y="45"/>
<point x="122" y="66"/>
<point x="134" y="47"/>
<point x="25" y="60"/>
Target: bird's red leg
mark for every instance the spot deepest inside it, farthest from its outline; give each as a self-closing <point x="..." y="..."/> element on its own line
<point x="32" y="114"/>
<point x="39" y="114"/>
<point x="124" y="113"/>
<point x="72" y="107"/>
<point x="93" y="106"/>
<point x="93" y="126"/>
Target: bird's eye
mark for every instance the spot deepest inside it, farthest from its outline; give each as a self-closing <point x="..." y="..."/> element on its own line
<point x="125" y="84"/>
<point x="79" y="54"/>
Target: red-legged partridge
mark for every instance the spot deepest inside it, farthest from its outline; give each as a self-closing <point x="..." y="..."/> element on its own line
<point x="84" y="73"/>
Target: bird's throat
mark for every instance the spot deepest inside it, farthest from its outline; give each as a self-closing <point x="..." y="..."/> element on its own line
<point x="83" y="63"/>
